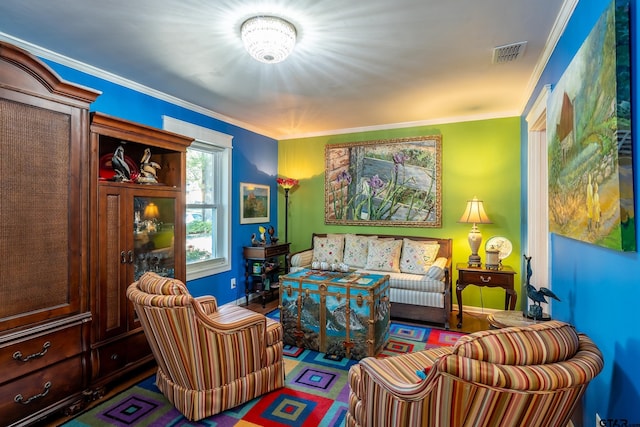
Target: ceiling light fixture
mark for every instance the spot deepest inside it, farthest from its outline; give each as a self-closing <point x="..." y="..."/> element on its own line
<point x="268" y="39"/>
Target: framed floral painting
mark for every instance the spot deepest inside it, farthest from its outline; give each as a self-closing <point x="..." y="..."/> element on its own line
<point x="384" y="182"/>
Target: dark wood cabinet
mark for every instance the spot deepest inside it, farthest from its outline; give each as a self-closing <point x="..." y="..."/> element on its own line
<point x="135" y="227"/>
<point x="44" y="237"/>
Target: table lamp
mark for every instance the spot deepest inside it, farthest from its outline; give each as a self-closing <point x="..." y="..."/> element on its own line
<point x="474" y="214"/>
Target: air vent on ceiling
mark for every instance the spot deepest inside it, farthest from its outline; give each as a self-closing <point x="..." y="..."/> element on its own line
<point x="508" y="52"/>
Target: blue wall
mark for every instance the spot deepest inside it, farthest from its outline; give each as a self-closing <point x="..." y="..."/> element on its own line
<point x="254" y="159"/>
<point x="599" y="287"/>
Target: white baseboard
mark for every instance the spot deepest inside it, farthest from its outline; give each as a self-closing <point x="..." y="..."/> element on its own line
<point x="476" y="310"/>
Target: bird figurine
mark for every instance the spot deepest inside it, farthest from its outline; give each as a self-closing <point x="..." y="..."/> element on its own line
<point x="529" y="270"/>
<point x="271" y="231"/>
<point x="538" y="296"/>
<point x="120" y="166"/>
<point x="148" y="169"/>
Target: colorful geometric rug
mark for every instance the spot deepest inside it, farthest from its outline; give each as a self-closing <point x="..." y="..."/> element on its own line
<point x="316" y="391"/>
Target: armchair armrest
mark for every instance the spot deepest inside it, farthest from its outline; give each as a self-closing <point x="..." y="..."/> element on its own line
<point x="394" y="380"/>
<point x="301" y="259"/>
<point x="228" y="319"/>
<point x="397" y="386"/>
<point x="208" y="303"/>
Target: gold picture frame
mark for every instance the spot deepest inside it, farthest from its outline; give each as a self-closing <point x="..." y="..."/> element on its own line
<point x="385" y="182"/>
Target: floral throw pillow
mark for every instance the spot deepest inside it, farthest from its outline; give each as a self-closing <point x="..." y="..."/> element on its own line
<point x="328" y="249"/>
<point x="356" y="249"/>
<point x="417" y="256"/>
<point x="384" y="255"/>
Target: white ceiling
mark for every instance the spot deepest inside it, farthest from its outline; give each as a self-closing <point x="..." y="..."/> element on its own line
<point x="359" y="64"/>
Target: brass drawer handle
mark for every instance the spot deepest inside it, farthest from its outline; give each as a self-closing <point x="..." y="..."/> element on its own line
<point x="20" y="399"/>
<point x="487" y="280"/>
<point x="18" y="355"/>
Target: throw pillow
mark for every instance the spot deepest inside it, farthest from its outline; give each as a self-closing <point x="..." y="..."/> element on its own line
<point x="418" y="256"/>
<point x="436" y="271"/>
<point x="356" y="249"/>
<point x="328" y="249"/>
<point x="384" y="255"/>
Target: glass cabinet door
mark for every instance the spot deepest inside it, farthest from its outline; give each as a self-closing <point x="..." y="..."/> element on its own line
<point x="154" y="235"/>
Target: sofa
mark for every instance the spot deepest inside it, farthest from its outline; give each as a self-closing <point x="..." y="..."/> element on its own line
<point x="419" y="268"/>
<point x="519" y="376"/>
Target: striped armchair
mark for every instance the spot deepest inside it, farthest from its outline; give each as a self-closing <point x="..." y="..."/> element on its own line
<point x="520" y="376"/>
<point x="209" y="358"/>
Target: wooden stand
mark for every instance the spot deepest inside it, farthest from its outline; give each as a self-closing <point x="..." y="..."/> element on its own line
<point x="262" y="268"/>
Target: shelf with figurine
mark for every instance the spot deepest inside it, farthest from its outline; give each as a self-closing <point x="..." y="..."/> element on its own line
<point x="131" y="153"/>
<point x="118" y="167"/>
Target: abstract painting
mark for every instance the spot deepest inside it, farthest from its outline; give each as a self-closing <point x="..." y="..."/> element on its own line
<point x="591" y="195"/>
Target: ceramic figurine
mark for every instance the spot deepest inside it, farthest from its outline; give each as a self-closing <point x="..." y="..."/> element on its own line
<point x="120" y="166"/>
<point x="263" y="239"/>
<point x="272" y="239"/>
<point x="148" y="169"/>
<point x="537" y="295"/>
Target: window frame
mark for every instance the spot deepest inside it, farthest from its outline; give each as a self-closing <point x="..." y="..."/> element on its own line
<point x="209" y="140"/>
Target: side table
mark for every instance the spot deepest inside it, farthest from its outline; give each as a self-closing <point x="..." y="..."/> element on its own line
<point x="508" y="318"/>
<point x="262" y="267"/>
<point x="502" y="278"/>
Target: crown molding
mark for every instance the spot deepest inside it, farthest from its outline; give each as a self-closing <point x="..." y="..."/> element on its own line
<point x="560" y="24"/>
<point x="130" y="84"/>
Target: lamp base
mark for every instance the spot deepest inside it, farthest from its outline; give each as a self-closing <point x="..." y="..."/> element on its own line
<point x="475" y="261"/>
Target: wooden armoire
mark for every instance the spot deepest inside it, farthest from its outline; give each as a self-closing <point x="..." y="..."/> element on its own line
<point x="72" y="239"/>
<point x="44" y="214"/>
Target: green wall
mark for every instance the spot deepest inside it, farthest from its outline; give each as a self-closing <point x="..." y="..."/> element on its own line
<point x="479" y="158"/>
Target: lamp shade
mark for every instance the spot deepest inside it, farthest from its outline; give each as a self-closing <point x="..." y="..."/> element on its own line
<point x="268" y="39"/>
<point x="474" y="213"/>
<point x="287" y="183"/>
<point x="151" y="211"/>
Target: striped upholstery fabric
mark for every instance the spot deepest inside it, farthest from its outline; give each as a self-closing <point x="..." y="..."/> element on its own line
<point x="425" y="299"/>
<point x="521" y="346"/>
<point x="210" y="358"/>
<point x="469" y="385"/>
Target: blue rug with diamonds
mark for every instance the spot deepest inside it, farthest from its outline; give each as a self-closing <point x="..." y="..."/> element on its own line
<point x="316" y="391"/>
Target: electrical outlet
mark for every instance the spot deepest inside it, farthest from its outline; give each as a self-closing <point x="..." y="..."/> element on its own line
<point x="233" y="283"/>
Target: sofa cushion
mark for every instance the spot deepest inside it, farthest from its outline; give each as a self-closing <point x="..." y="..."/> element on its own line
<point x="356" y="249"/>
<point x="547" y="342"/>
<point x="418" y="256"/>
<point x="384" y="255"/>
<point x="328" y="249"/>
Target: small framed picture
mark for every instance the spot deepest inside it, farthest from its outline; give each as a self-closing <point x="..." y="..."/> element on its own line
<point x="254" y="203"/>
